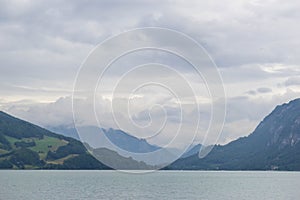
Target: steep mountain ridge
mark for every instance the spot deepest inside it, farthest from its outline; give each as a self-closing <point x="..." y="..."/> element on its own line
<point x="274" y="145"/>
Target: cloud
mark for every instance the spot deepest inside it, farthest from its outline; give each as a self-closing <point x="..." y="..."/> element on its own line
<point x="261" y="90"/>
<point x="239" y="33"/>
<point x="43" y="114"/>
<point x="251" y="92"/>
<point x="293" y="81"/>
<point x="264" y="90"/>
<point x="254" y="43"/>
<point x="147" y="122"/>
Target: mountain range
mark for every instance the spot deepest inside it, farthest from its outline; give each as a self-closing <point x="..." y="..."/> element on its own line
<point x="26" y="146"/>
<point x="119" y="138"/>
<point x="274" y="145"/>
<point x="123" y="143"/>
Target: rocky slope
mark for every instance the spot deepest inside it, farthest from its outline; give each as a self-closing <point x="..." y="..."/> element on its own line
<point x="274" y="145"/>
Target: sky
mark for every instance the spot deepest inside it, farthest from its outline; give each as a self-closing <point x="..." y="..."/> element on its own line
<point x="254" y="44"/>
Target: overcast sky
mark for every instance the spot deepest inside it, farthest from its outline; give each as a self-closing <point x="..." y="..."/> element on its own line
<point x="255" y="45"/>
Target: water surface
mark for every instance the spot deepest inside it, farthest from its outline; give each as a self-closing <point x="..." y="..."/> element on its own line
<point x="92" y="185"/>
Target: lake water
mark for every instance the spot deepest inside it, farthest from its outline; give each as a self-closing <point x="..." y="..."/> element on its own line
<point x="60" y="185"/>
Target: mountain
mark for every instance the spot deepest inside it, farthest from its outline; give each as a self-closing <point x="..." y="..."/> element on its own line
<point x="128" y="145"/>
<point x="119" y="138"/>
<point x="193" y="150"/>
<point x="68" y="131"/>
<point x="102" y="138"/>
<point x="129" y="142"/>
<point x="274" y="145"/>
<point x="26" y="146"/>
<point x="114" y="160"/>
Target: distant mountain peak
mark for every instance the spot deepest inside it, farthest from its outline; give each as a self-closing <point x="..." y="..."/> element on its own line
<point x="119" y="138"/>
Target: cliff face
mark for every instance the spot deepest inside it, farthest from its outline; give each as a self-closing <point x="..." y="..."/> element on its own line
<point x="282" y="127"/>
<point x="275" y="144"/>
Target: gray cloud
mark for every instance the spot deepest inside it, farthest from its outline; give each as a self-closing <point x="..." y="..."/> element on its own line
<point x="261" y="90"/>
<point x="255" y="44"/>
<point x="264" y="90"/>
<point x="251" y="92"/>
<point x="293" y="81"/>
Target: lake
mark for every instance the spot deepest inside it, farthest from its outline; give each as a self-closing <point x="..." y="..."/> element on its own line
<point x="60" y="185"/>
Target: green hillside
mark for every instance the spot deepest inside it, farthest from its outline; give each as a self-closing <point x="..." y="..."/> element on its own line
<point x="27" y="146"/>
